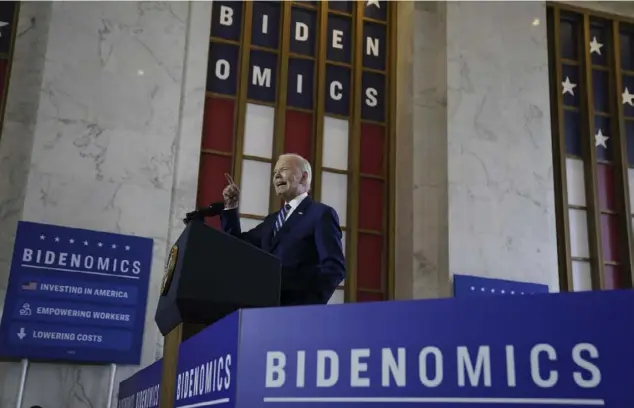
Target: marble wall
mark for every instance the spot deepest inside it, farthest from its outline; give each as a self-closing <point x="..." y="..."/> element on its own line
<point x="102" y="131"/>
<point x="501" y="194"/>
<point x="482" y="176"/>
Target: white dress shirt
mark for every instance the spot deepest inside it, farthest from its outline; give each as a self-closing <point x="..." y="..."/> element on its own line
<point x="294" y="203"/>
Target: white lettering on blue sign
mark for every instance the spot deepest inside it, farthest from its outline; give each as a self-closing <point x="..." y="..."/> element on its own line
<point x="265" y="24"/>
<point x="74" y="290"/>
<point x="300" y="83"/>
<point x="301" y="31"/>
<point x="261" y="77"/>
<point x="337" y="39"/>
<point x="86" y="314"/>
<point x="79" y="290"/>
<point x="372" y="46"/>
<point x="210" y="377"/>
<point x="335" y="90"/>
<point x="371" y="97"/>
<point x="264" y="70"/>
<point x="226" y="16"/>
<point x="147" y="398"/>
<point x="69" y="336"/>
<point x="223" y="69"/>
<point x="473" y="371"/>
<point x="79" y="261"/>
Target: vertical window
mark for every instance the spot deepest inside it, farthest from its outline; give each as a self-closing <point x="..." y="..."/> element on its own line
<point x="589" y="108"/>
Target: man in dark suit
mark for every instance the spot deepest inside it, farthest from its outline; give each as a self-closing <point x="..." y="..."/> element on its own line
<point x="304" y="234"/>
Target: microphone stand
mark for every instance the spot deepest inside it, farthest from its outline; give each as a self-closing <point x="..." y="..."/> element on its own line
<point x="211" y="211"/>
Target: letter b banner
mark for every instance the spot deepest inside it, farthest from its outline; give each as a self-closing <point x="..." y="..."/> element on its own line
<point x="541" y="350"/>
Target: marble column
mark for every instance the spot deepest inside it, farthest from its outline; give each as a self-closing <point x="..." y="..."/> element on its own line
<point x="102" y="131"/>
<point x="483" y="195"/>
<point x="500" y="172"/>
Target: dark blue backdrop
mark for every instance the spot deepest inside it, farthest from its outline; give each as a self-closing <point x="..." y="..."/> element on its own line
<point x="76" y="295"/>
<point x="568" y="349"/>
<point x="546" y="350"/>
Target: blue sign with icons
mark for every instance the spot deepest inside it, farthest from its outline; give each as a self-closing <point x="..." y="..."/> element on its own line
<point x="465" y="285"/>
<point x="76" y="295"/>
<point x="142" y="389"/>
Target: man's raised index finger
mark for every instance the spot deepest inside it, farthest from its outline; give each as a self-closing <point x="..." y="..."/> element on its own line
<point x="229" y="179"/>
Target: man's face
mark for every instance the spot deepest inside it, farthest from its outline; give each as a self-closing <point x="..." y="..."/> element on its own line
<point x="287" y="178"/>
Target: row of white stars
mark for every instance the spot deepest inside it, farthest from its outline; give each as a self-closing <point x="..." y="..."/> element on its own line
<point x="627" y="98"/>
<point x="502" y="291"/>
<point x="72" y="241"/>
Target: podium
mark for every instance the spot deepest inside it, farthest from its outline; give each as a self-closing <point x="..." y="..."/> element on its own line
<point x="208" y="275"/>
<point x="546" y="350"/>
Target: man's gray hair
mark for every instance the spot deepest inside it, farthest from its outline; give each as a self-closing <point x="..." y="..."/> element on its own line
<point x="303" y="164"/>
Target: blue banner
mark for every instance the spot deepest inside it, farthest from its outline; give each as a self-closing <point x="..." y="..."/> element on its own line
<point x="142" y="389"/>
<point x="548" y="350"/>
<point x="464" y="285"/>
<point x="76" y="295"/>
<point x="207" y="366"/>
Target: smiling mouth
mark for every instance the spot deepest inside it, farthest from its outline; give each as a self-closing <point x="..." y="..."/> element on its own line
<point x="280" y="184"/>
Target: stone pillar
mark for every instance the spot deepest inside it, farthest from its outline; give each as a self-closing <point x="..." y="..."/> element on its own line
<point x="102" y="132"/>
<point x="483" y="195"/>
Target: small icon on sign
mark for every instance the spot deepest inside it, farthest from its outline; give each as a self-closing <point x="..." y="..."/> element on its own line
<point x="26" y="310"/>
<point x="21" y="333"/>
<point x="30" y="286"/>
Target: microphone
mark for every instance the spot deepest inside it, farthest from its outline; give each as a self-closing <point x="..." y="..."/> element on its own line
<point x="211" y="211"/>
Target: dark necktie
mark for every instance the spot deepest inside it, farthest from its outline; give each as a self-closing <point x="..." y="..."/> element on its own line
<point x="281" y="217"/>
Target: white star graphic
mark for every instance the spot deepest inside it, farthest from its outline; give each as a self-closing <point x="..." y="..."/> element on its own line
<point x="481" y="289"/>
<point x="85" y="242"/>
<point x="2" y="24"/>
<point x="492" y="290"/>
<point x="600" y="139"/>
<point x="522" y="293"/>
<point x="472" y="288"/>
<point x="568" y="87"/>
<point x="72" y="241"/>
<point x="42" y="237"/>
<point x="114" y="246"/>
<point x="99" y="244"/>
<point x="595" y="46"/>
<point x="503" y="291"/>
<point x="512" y="292"/>
<point x="628" y="98"/>
<point x="373" y="3"/>
<point x="127" y="247"/>
<point x="56" y="239"/>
